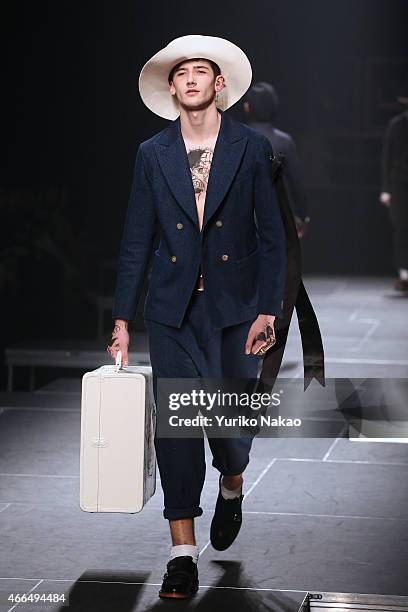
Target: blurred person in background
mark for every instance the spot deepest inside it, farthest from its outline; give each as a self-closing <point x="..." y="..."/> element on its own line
<point x="394" y="192"/>
<point x="261" y="104"/>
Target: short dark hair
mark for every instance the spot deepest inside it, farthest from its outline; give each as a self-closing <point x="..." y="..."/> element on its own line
<point x="215" y="67"/>
<point x="263" y="101"/>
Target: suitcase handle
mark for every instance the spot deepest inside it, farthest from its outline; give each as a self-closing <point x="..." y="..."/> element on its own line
<point x="118" y="362"/>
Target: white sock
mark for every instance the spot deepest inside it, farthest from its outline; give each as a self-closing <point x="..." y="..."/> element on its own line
<point x="230" y="493"/>
<point x="180" y="550"/>
<point x="403" y="274"/>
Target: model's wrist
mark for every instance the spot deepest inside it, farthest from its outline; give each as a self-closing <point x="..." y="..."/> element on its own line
<point x="121" y="324"/>
<point x="267" y="316"/>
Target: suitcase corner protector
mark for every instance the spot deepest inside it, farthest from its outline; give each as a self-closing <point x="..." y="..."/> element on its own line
<point x="86" y="508"/>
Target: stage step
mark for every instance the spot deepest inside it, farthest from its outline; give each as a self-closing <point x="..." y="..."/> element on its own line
<point x="358" y="602"/>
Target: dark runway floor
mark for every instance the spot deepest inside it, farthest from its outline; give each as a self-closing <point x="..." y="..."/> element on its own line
<point x="319" y="514"/>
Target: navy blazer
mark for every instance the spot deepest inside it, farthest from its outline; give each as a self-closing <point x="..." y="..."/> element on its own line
<point x="241" y="249"/>
<point x="282" y="142"/>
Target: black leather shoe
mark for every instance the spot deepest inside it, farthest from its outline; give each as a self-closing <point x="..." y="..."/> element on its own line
<point x="226" y="521"/>
<point x="181" y="579"/>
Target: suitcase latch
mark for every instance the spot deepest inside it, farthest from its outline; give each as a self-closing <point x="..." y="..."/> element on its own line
<point x="100" y="442"/>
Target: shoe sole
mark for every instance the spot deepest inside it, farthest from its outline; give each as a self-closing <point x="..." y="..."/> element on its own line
<point x="216" y="547"/>
<point x="169" y="595"/>
<point x="222" y="548"/>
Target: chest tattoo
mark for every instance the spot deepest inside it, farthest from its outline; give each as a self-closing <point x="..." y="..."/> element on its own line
<point x="199" y="160"/>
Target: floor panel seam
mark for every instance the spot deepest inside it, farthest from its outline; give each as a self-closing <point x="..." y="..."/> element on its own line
<point x="333" y="444"/>
<point x="335" y="516"/>
<point x="349" y="461"/>
<point x="155" y="584"/>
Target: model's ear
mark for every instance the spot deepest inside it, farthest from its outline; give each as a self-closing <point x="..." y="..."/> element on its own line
<point x="219" y="82"/>
<point x="172" y="89"/>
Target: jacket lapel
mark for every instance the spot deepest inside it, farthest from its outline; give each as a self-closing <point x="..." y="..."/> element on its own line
<point x="173" y="160"/>
<point x="172" y="156"/>
<point x="228" y="152"/>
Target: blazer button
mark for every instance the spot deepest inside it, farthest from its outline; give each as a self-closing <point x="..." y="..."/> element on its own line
<point x="224" y="257"/>
<point x="173" y="258"/>
<point x="218" y="223"/>
<point x="179" y="226"/>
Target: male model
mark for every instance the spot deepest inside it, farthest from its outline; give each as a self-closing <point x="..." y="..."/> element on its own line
<point x="205" y="184"/>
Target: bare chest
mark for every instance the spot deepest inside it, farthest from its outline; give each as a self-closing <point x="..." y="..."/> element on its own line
<point x="200" y="160"/>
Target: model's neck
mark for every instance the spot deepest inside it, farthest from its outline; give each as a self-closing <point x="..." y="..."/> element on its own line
<point x="200" y="125"/>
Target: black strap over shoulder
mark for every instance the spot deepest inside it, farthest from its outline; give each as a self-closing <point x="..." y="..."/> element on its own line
<point x="295" y="296"/>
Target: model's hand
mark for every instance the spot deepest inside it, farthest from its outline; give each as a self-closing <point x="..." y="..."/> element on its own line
<point x="385" y="198"/>
<point x="261" y="335"/>
<point x="301" y="226"/>
<point x="119" y="341"/>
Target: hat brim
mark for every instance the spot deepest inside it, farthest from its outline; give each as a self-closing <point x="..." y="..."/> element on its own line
<point x="233" y="63"/>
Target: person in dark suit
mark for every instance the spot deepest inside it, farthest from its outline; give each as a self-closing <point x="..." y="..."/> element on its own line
<point x="204" y="185"/>
<point x="394" y="192"/>
<point x="261" y="104"/>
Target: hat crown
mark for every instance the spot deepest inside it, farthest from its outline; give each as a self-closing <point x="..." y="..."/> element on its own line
<point x="234" y="65"/>
<point x="188" y="37"/>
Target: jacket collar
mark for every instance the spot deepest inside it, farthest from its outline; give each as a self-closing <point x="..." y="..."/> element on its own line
<point x="172" y="156"/>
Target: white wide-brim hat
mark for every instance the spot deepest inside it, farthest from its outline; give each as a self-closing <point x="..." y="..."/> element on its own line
<point x="233" y="63"/>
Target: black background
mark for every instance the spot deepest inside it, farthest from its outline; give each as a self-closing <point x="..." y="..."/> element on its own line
<point x="72" y="120"/>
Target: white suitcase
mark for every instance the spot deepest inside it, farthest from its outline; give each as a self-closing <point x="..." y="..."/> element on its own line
<point x="118" y="419"/>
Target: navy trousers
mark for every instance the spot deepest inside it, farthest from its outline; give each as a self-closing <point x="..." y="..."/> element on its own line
<point x="197" y="350"/>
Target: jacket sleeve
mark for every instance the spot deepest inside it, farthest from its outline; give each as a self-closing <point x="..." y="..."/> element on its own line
<point x="271" y="233"/>
<point x="136" y="245"/>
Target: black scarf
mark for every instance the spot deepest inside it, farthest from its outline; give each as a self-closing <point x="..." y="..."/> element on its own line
<point x="295" y="296"/>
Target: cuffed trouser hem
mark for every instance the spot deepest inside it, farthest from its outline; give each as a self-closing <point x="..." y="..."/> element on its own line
<point x="227" y="472"/>
<point x="180" y="513"/>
